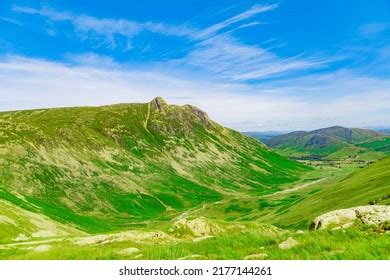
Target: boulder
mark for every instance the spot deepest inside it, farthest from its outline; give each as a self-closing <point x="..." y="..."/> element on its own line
<point x="260" y="256"/>
<point x="343" y="218"/>
<point x="288" y="244"/>
<point x="129" y="251"/>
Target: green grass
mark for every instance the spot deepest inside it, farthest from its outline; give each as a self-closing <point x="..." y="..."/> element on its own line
<point x="354" y="243"/>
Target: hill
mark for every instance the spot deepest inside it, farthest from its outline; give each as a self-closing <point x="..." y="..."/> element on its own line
<point x="332" y="142"/>
<point x="98" y="169"/>
<point x="366" y="186"/>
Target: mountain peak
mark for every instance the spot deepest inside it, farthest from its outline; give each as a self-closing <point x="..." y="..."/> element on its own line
<point x="158" y="102"/>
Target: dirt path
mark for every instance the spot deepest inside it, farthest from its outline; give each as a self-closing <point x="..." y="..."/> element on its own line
<point x="51" y="240"/>
<point x="147" y="119"/>
<point x="293" y="189"/>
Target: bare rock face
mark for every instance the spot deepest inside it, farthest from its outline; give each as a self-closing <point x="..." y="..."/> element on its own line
<point x="199" y="113"/>
<point x="343" y="218"/>
<point x="158" y="103"/>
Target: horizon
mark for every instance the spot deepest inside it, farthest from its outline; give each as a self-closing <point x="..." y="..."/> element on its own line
<point x="251" y="65"/>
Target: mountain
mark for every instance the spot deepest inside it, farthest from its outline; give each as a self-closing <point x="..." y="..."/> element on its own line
<point x="98" y="169"/>
<point x="263" y="135"/>
<point x="333" y="141"/>
<point x="384" y="131"/>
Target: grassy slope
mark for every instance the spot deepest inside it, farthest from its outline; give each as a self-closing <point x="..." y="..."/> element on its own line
<point x="370" y="185"/>
<point x="114" y="167"/>
<point x="237" y="241"/>
<point x="18" y="223"/>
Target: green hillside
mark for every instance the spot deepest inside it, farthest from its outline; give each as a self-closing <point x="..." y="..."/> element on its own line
<point x="113" y="167"/>
<point x="332" y="143"/>
<point x="370" y="185"/>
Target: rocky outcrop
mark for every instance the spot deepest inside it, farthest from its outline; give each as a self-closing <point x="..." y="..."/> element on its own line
<point x="204" y="118"/>
<point x="158" y="103"/>
<point x="198" y="227"/>
<point x="343" y="218"/>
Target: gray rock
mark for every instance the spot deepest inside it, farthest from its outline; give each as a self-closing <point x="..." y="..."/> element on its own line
<point x="288" y="244"/>
<point x="260" y="256"/>
<point x="344" y="218"/>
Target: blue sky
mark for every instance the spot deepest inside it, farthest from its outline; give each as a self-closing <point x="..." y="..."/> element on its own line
<point x="252" y="65"/>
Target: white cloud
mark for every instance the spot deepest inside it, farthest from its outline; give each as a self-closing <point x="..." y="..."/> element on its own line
<point x="255" y="10"/>
<point x="372" y="30"/>
<point x="224" y="58"/>
<point x="105" y="29"/>
<point x="11" y="20"/>
<point x="346" y="99"/>
<point x="231" y="59"/>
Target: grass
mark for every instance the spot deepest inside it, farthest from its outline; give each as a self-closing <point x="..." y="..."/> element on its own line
<point x="358" y="243"/>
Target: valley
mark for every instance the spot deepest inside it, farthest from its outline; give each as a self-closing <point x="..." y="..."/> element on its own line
<point x="159" y="181"/>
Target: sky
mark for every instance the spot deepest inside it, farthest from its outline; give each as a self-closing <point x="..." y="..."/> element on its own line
<point x="252" y="65"/>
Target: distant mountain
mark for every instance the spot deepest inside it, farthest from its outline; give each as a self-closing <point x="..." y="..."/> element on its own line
<point x="384" y="131"/>
<point x="106" y="168"/>
<point x="263" y="135"/>
<point x="326" y="141"/>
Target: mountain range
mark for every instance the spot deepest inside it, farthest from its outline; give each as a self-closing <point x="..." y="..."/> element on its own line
<point x="111" y="167"/>
<point x="160" y="181"/>
<point x="332" y="143"/>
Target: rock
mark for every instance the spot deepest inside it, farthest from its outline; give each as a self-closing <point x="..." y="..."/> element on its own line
<point x="21" y="237"/>
<point x="288" y="244"/>
<point x="191" y="257"/>
<point x="199" y="226"/>
<point x="42" y="248"/>
<point x="129" y="251"/>
<point x="158" y="103"/>
<point x="203" y="116"/>
<point x="260" y="256"/>
<point x="343" y="218"/>
<point x="133" y="235"/>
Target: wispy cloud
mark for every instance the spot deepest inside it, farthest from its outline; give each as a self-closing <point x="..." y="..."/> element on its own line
<point x="11" y="20"/>
<point x="346" y="98"/>
<point x="372" y="30"/>
<point x="105" y="28"/>
<point x="232" y="60"/>
<point x="255" y="10"/>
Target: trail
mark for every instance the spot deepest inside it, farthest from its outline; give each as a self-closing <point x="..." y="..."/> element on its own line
<point x="294" y="188"/>
<point x="45" y="241"/>
<point x="147" y="119"/>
